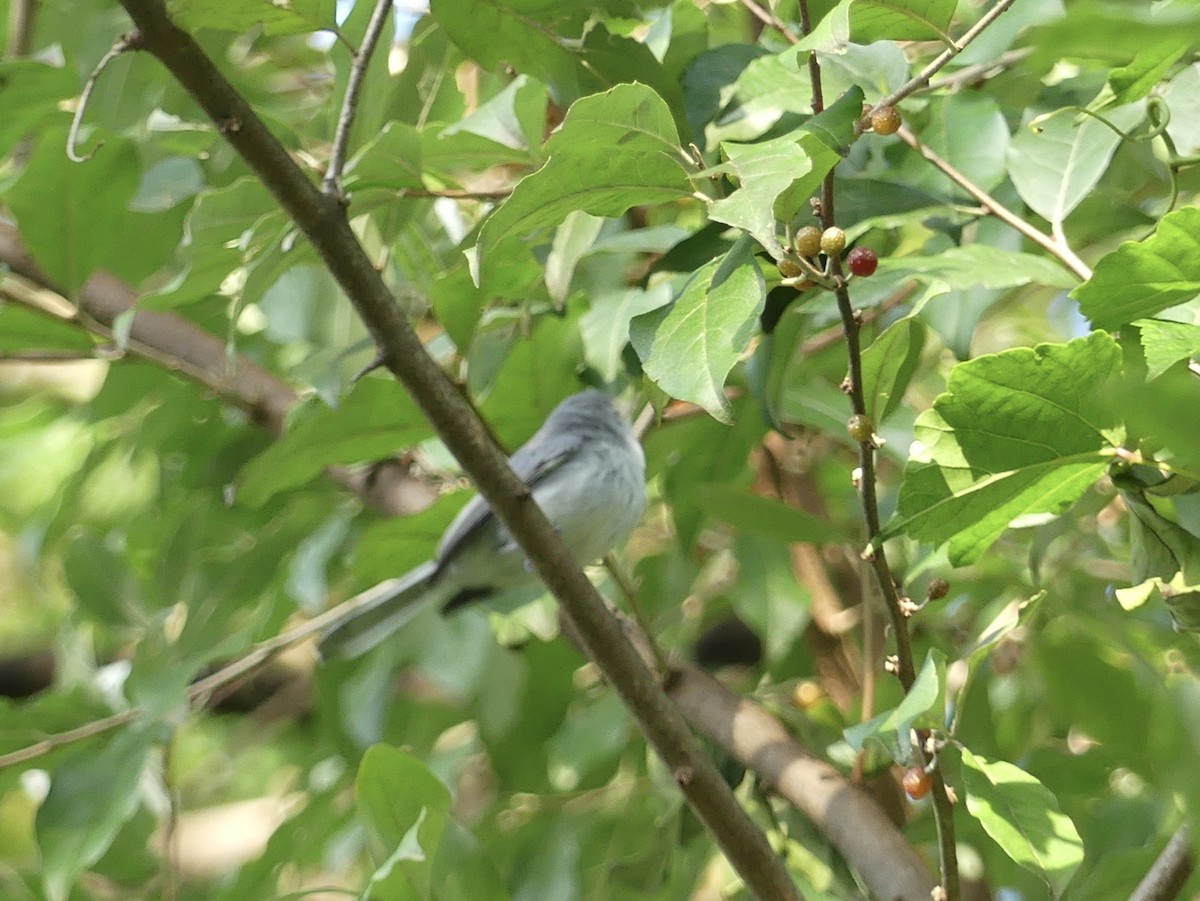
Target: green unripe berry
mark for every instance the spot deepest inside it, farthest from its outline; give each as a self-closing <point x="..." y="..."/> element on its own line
<point x="789" y="268"/>
<point x="808" y="241"/>
<point x="861" y="428"/>
<point x="833" y="239"/>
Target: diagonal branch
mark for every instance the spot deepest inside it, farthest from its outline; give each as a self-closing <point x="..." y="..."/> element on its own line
<point x="323" y="221"/>
<point x="939" y="62"/>
<point x="1057" y="248"/>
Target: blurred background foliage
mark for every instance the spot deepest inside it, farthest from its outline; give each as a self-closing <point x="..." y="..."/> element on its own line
<point x="151" y="528"/>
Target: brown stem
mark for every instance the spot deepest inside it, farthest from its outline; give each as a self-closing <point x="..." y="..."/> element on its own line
<point x="324" y="223"/>
<point x="21" y="17"/>
<point x="851" y="819"/>
<point x="869" y="502"/>
<point x="1170" y="871"/>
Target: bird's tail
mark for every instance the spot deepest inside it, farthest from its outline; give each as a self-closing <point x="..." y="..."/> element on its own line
<point x="383" y="611"/>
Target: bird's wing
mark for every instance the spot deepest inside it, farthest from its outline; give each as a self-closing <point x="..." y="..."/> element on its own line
<point x="532" y="462"/>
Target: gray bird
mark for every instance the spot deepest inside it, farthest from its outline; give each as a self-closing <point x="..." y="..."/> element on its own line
<point x="587" y="473"/>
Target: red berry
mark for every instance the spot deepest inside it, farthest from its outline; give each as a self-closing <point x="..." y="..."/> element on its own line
<point x="916" y="783"/>
<point x="862" y="261"/>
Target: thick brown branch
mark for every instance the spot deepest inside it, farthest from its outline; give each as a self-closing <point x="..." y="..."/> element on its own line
<point x="165" y="338"/>
<point x="847" y="815"/>
<point x="323" y="222"/>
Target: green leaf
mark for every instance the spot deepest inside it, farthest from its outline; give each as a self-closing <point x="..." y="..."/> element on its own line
<point x="759" y="515"/>
<point x="292" y="17"/>
<point x="539" y="371"/>
<point x="377" y="419"/>
<point x="100" y="579"/>
<point x="91" y="796"/>
<point x="1141" y="278"/>
<point x="404" y="808"/>
<point x="834" y="125"/>
<point x="900" y="20"/>
<point x="572" y="240"/>
<point x="1137" y="79"/>
<point x="923" y="707"/>
<point x="1158" y="547"/>
<point x="1057" y="166"/>
<point x="980" y="266"/>
<point x="614" y="151"/>
<point x="688" y="348"/>
<point x="605" y="326"/>
<point x="1023" y="818"/>
<point x="391" y="161"/>
<point x="220" y="227"/>
<point x="1021" y="432"/>
<point x="1166" y="343"/>
<point x="24" y="329"/>
<point x="29" y="96"/>
<point x="889" y="364"/>
<point x="616" y="58"/>
<point x="775" y="178"/>
<point x="80" y="231"/>
<point x="1182" y="97"/>
<point x="395" y="544"/>
<point x="506" y="33"/>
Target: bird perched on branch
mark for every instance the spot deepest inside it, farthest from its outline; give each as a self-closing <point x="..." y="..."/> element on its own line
<point x="587" y="472"/>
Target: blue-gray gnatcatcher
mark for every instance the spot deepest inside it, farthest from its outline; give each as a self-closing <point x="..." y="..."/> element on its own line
<point x="587" y="473"/>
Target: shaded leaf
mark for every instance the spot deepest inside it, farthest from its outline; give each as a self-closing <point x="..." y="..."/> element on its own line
<point x="1166" y="343"/>
<point x="80" y="230"/>
<point x="759" y="515"/>
<point x="377" y="419"/>
<point x="889" y="364"/>
<point x="1055" y="167"/>
<point x="91" y="796"/>
<point x="292" y="17"/>
<point x="980" y="266"/>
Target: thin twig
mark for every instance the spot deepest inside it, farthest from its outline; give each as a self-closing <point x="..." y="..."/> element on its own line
<point x="199" y="692"/>
<point x="1063" y="253"/>
<point x="455" y="194"/>
<point x="123" y="44"/>
<point x="769" y="18"/>
<point x="939" y="62"/>
<point x="969" y="76"/>
<point x="332" y="185"/>
<point x="625" y="586"/>
<point x="1170" y="872"/>
<point x="852" y="328"/>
